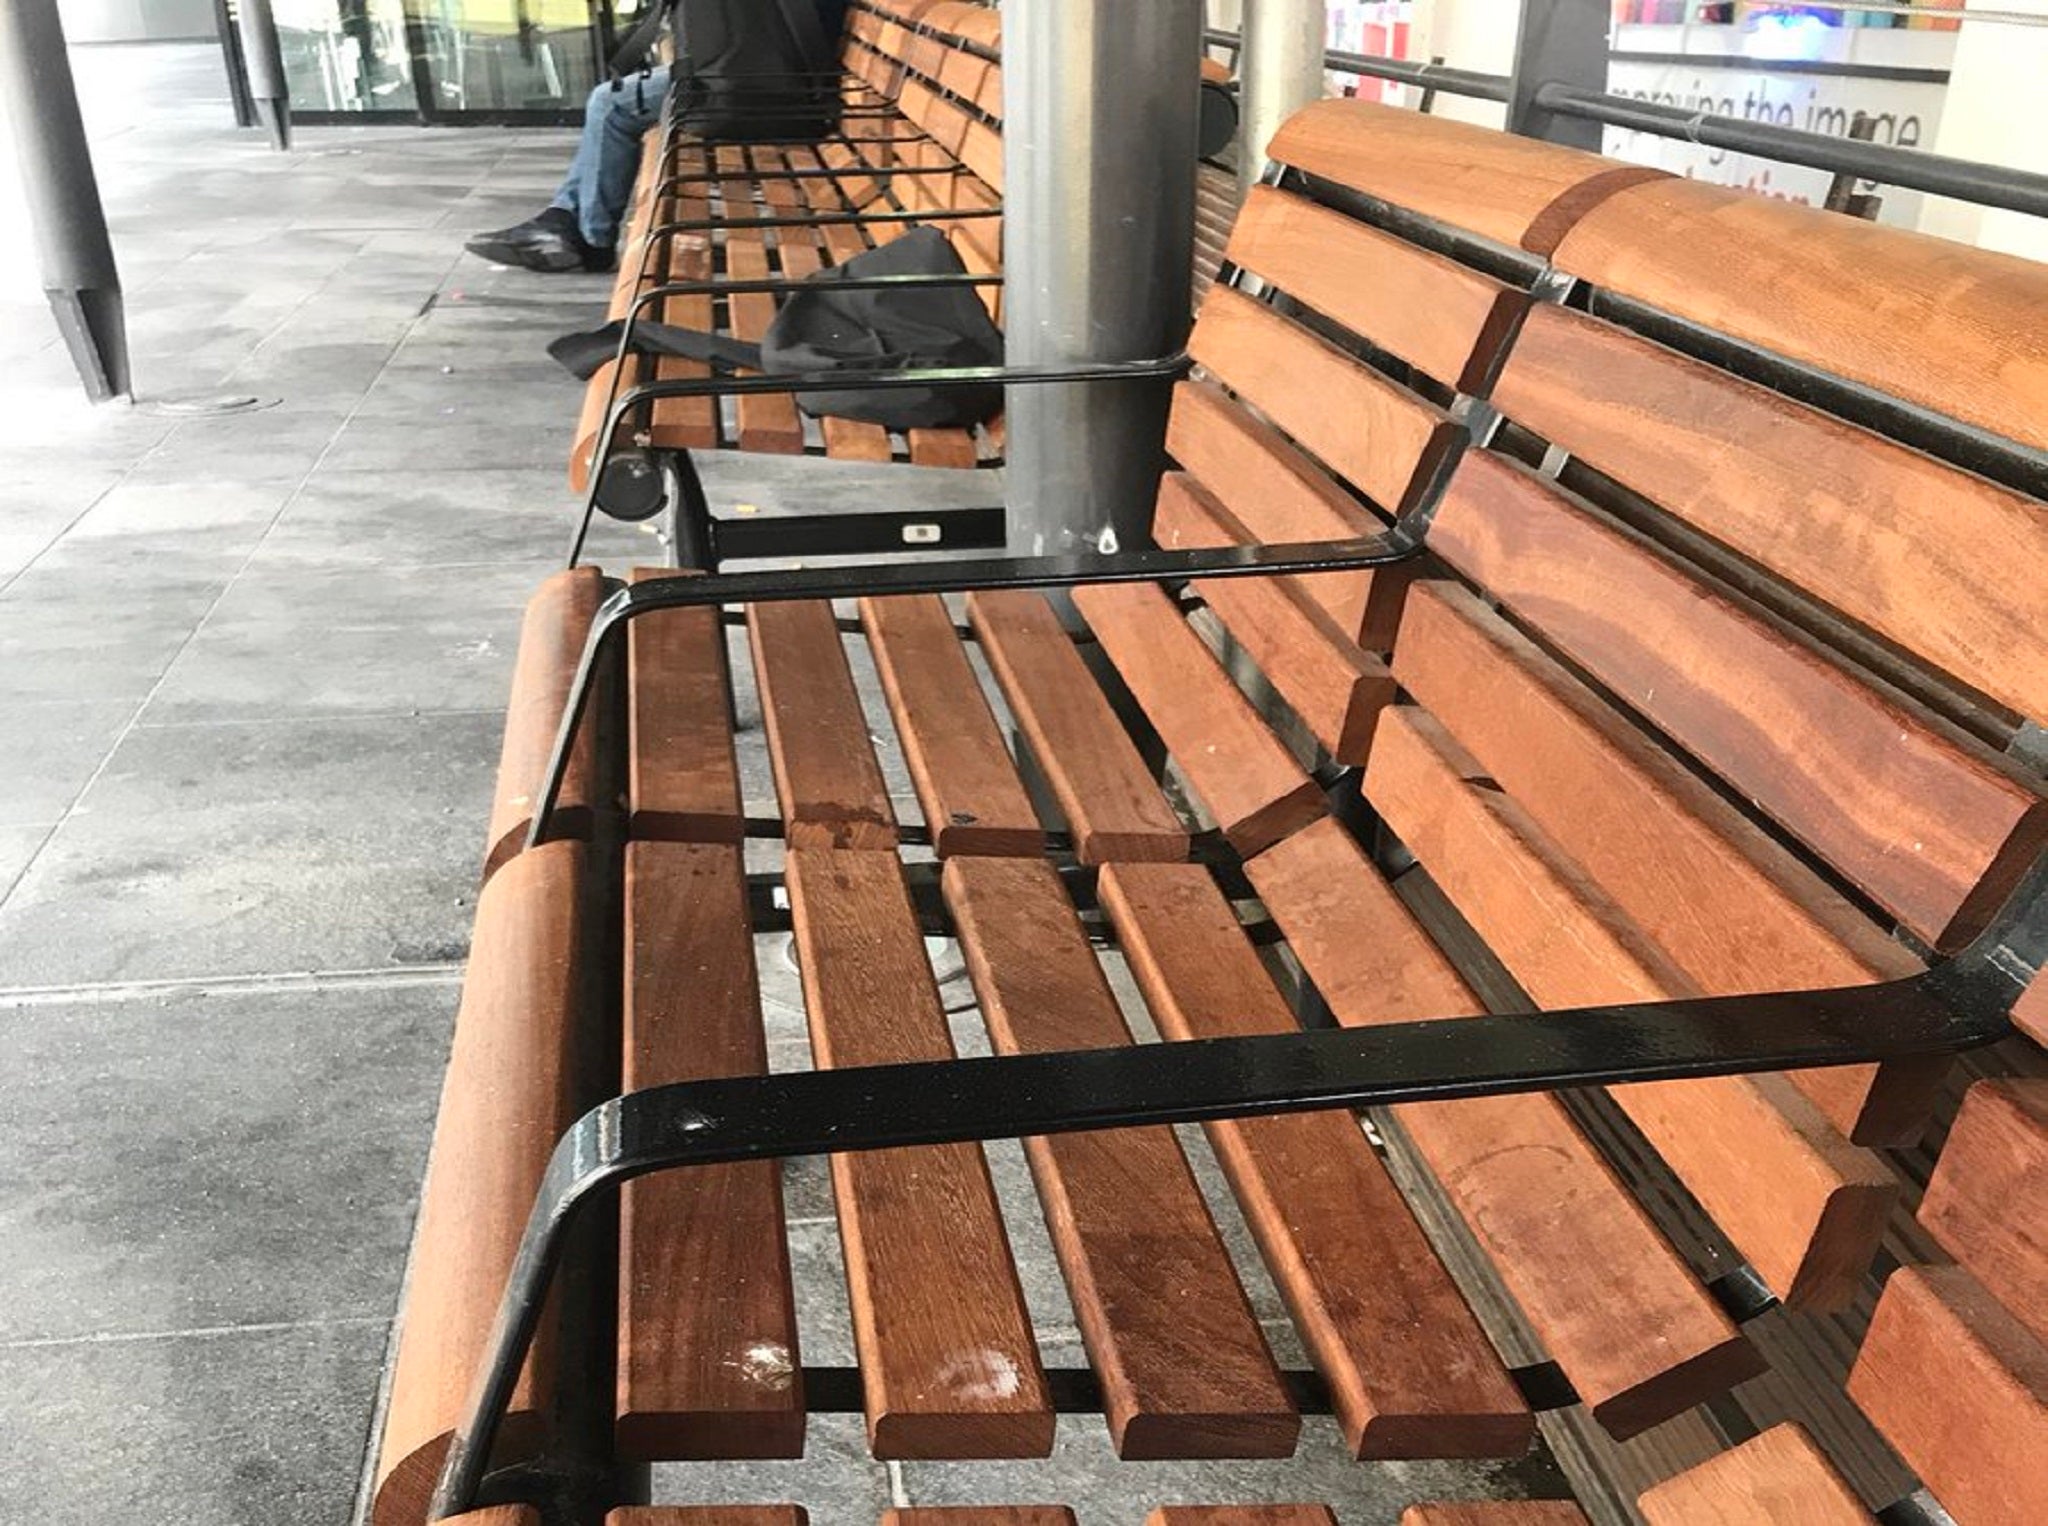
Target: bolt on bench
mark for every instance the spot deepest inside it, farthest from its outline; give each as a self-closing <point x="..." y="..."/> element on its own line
<point x="1640" y="582"/>
<point x="716" y="231"/>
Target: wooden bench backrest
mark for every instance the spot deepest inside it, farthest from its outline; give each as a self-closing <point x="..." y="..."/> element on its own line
<point x="1704" y="685"/>
<point x="939" y="64"/>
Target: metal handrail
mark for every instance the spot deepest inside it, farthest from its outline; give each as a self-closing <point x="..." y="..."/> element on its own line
<point x="1912" y="169"/>
<point x="1402" y="71"/>
<point x="1989" y="185"/>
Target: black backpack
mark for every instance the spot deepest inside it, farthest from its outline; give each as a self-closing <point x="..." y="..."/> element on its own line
<point x="748" y="71"/>
<point x="822" y="327"/>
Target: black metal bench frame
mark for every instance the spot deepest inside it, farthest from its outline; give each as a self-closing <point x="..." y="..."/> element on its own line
<point x="1957" y="1004"/>
<point x="1960" y="1003"/>
<point x="699" y="538"/>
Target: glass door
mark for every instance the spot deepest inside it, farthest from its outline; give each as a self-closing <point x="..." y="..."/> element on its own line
<point x="477" y="62"/>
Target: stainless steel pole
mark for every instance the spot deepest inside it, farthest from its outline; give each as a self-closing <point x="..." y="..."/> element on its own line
<point x="263" y="56"/>
<point x="1281" y="69"/>
<point x="70" y="227"/>
<point x="1101" y="102"/>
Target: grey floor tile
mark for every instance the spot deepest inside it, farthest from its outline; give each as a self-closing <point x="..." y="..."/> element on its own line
<point x="265" y="445"/>
<point x="19" y="845"/>
<point x="72" y="628"/>
<point x="318" y="845"/>
<point x="295" y="640"/>
<point x="50" y="748"/>
<point x="414" y="519"/>
<point x="158" y="520"/>
<point x="1085" y="1474"/>
<point x="444" y="443"/>
<point x="239" y="1428"/>
<point x="837" y="1482"/>
<point x="190" y="1185"/>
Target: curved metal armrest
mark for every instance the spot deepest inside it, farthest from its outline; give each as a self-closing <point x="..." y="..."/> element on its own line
<point x="631" y="601"/>
<point x="1954" y="1007"/>
<point x="926" y="376"/>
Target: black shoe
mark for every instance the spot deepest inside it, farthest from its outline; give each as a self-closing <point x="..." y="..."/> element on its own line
<point x="549" y="242"/>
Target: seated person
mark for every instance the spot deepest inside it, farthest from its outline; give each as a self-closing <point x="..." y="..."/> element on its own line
<point x="580" y="227"/>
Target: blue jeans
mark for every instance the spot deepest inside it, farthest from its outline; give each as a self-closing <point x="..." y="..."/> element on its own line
<point x="600" y="179"/>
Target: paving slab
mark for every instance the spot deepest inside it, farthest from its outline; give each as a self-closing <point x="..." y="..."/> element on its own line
<point x="1085" y="1474"/>
<point x="292" y="639"/>
<point x="190" y="1185"/>
<point x="319" y="844"/>
<point x="231" y="1428"/>
<point x="836" y="1482"/>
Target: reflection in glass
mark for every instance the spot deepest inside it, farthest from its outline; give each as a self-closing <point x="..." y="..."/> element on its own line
<point x="346" y="55"/>
<point x="466" y="55"/>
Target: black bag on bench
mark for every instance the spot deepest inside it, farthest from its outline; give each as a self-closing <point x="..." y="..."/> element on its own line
<point x="820" y="329"/>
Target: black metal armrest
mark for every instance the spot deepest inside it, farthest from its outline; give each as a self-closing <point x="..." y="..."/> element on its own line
<point x="629" y="602"/>
<point x="1960" y="1005"/>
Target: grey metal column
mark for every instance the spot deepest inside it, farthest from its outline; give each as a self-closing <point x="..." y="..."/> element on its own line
<point x="263" y="57"/>
<point x="1562" y="42"/>
<point x="1281" y="70"/>
<point x="1101" y="100"/>
<point x="72" y="249"/>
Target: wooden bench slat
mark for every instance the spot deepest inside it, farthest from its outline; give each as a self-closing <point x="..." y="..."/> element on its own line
<point x="708" y="1515"/>
<point x="1433" y="313"/>
<point x="640" y="215"/>
<point x="1184" y="1367"/>
<point x="1337" y="688"/>
<point x="973" y="800"/>
<point x="1987" y="1201"/>
<point x="1726" y="456"/>
<point x="1727" y="905"/>
<point x="799" y="255"/>
<point x="830" y="786"/>
<point x="951" y="449"/>
<point x="1716" y="255"/>
<point x="1411" y="1373"/>
<point x="1110" y="799"/>
<point x="981" y="149"/>
<point x="1806" y="1208"/>
<point x="1641" y="1341"/>
<point x="845" y="439"/>
<point x="684" y="423"/>
<point x="683" y="781"/>
<point x="1959" y="1388"/>
<point x="1933" y="827"/>
<point x="947" y="1356"/>
<point x="1357" y="422"/>
<point x="708" y="1355"/>
<point x="1242" y="1515"/>
<point x="1494" y="1513"/>
<point x="980" y="1515"/>
<point x="2030" y="1015"/>
<point x="1517" y="191"/>
<point x="510" y="1091"/>
<point x="768" y="420"/>
<point x="1230" y="758"/>
<point x="1778" y="1475"/>
<point x="1284" y="498"/>
<point x="551" y="637"/>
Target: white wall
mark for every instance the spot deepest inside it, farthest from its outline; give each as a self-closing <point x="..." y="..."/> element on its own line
<point x="1467" y="34"/>
<point x="1996" y="112"/>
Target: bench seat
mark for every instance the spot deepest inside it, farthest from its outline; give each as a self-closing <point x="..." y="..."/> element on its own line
<point x="1630" y="727"/>
<point x="922" y="136"/>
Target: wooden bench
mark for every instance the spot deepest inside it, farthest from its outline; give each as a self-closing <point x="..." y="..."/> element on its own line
<point x="1661" y="595"/>
<point x="921" y="141"/>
